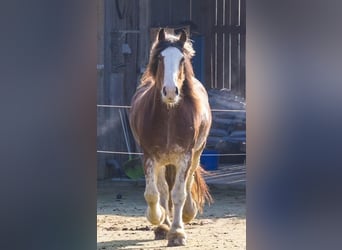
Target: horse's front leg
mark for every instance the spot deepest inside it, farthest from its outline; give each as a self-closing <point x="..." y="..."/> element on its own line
<point x="155" y="213"/>
<point x="161" y="231"/>
<point x="176" y="235"/>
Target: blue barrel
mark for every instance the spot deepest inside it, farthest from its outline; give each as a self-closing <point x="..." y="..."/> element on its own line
<point x="209" y="159"/>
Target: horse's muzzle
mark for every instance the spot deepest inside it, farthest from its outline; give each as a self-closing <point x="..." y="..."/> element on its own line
<point x="170" y="95"/>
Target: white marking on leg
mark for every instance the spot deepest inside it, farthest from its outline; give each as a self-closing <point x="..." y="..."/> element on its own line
<point x="154" y="213"/>
<point x="190" y="208"/>
<point x="179" y="194"/>
<point x="163" y="188"/>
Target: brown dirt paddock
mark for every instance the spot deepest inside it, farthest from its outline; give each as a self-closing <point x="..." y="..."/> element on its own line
<point x="121" y="223"/>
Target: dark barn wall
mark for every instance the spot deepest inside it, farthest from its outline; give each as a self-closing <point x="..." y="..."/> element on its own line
<point x="122" y="66"/>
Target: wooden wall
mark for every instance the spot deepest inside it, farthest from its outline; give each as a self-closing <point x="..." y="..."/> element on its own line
<point x="124" y="58"/>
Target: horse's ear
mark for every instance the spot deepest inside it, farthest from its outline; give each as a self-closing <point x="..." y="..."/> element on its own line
<point x="161" y="35"/>
<point x="183" y="36"/>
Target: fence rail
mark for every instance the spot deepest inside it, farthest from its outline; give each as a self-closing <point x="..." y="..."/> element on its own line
<point x="139" y="153"/>
<point x="128" y="107"/>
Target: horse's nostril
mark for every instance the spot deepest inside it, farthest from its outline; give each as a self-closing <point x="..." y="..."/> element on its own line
<point x="176" y="91"/>
<point x="164" y="91"/>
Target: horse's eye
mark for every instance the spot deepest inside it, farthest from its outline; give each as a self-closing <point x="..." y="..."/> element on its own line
<point x="160" y="57"/>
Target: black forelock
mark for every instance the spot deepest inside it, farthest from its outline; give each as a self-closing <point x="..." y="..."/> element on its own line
<point x="162" y="45"/>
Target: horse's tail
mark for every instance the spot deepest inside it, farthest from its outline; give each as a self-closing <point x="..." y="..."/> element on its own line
<point x="199" y="190"/>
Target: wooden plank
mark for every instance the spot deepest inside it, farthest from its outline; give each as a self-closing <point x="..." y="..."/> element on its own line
<point x="235" y="71"/>
<point x="130" y="74"/>
<point x="100" y="48"/>
<point x="228" y="13"/>
<point x="107" y="48"/>
<point x="227" y="53"/>
<point x="102" y="114"/>
<point x="227" y="28"/>
<point x="160" y="13"/>
<point x="119" y="82"/>
<point x="204" y="28"/>
<point x="101" y="166"/>
<point x="234" y="12"/>
<point x="211" y="48"/>
<point x="194" y="19"/>
<point x="180" y="11"/>
<point x="226" y="44"/>
<point x="131" y="69"/>
<point x="144" y="37"/>
<point x="122" y="17"/>
<point x="226" y="175"/>
<point x="219" y="71"/>
<point x="243" y="48"/>
<point x="235" y="48"/>
<point x="118" y="13"/>
<point x="131" y="39"/>
<point x="198" y="7"/>
<point x="100" y="31"/>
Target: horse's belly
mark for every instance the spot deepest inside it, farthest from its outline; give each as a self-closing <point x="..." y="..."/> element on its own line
<point x="170" y="145"/>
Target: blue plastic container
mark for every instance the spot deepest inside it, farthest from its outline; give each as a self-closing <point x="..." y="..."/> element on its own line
<point x="209" y="159"/>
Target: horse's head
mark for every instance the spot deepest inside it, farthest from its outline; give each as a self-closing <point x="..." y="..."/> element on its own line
<point x="172" y="62"/>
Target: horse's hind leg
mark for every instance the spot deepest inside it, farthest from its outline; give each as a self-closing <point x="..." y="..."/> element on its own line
<point x="155" y="213"/>
<point x="176" y="235"/>
<point x="190" y="207"/>
<point x="161" y="231"/>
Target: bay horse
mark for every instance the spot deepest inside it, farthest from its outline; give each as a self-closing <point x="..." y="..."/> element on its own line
<point x="170" y="120"/>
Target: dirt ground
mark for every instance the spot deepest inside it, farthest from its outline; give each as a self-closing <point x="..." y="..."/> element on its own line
<point x="121" y="223"/>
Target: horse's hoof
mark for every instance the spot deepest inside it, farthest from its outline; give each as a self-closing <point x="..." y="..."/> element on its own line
<point x="176" y="239"/>
<point x="160" y="233"/>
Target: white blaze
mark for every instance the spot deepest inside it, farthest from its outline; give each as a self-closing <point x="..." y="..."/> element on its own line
<point x="172" y="57"/>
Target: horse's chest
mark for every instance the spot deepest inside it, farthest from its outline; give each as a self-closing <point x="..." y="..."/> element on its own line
<point x="170" y="132"/>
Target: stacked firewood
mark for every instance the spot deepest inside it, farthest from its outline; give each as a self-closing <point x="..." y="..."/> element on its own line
<point x="228" y="130"/>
